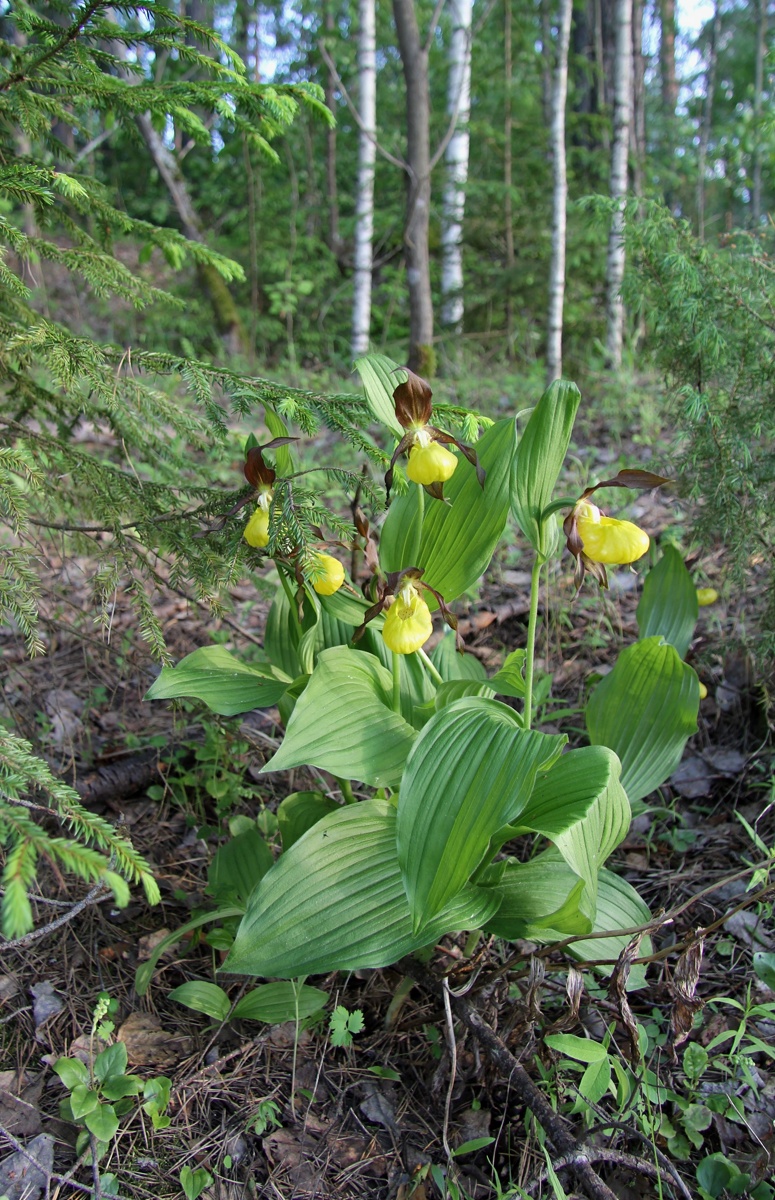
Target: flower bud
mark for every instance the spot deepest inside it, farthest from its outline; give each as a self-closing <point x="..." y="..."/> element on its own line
<point x="328" y="574"/>
<point x="703" y="691"/>
<point x="706" y="596"/>
<point x="408" y="623"/>
<point x="430" y="463"/>
<point x="606" y="540"/>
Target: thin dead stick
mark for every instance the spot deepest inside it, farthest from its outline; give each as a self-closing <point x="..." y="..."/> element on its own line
<point x="616" y="1158"/>
<point x="662" y="1159"/>
<point x="554" y="1126"/>
<point x="97" y="894"/>
<point x="20" y="1148"/>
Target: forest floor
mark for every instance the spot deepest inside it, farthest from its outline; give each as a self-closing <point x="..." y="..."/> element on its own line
<point x="276" y="1111"/>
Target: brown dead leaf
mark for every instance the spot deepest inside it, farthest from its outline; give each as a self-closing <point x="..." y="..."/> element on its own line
<point x="685" y="1003"/>
<point x="19" y="1098"/>
<point x="147" y="944"/>
<point x="86" y="1048"/>
<point x="9" y="987"/>
<point x="147" y="1044"/>
<point x="617" y="991"/>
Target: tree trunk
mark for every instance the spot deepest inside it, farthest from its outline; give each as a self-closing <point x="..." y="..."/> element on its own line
<point x="456" y="158"/>
<point x="668" y="80"/>
<point x="560" y="200"/>
<point x="761" y="49"/>
<point x="618" y="187"/>
<point x="367" y="152"/>
<point x="227" y="319"/>
<point x="332" y="192"/>
<point x="508" y="180"/>
<point x="638" y="131"/>
<point x="414" y="60"/>
<point x="707" y="118"/>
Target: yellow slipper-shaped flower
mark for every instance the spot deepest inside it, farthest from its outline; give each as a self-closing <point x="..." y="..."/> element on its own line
<point x="606" y="540"/>
<point x="430" y="463"/>
<point x="256" y="532"/>
<point x="328" y="574"/>
<point x="408" y="623"/>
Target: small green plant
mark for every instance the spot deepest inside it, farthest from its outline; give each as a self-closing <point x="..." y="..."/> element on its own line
<point x="194" y="1180"/>
<point x="101" y="1092"/>
<point x="267" y="1116"/>
<point x="344" y="1024"/>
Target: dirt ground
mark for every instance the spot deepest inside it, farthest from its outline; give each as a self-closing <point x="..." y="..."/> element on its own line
<point x="369" y="1120"/>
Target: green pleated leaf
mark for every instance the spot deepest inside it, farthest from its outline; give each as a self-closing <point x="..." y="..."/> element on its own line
<point x="344" y="607"/>
<point x="344" y="723"/>
<point x="618" y="907"/>
<point x="539" y="899"/>
<point x="380" y="379"/>
<point x="470" y="772"/>
<point x="645" y="711"/>
<point x="281" y="637"/>
<point x="299" y="812"/>
<point x="417" y="688"/>
<point x="458" y="538"/>
<point x="452" y="665"/>
<point x="581" y="806"/>
<point x="278" y="1002"/>
<point x="336" y="901"/>
<point x="538" y="462"/>
<point x="237" y="867"/>
<point x="510" y="680"/>
<point x="401" y="533"/>
<point x="668" y="607"/>
<point x="225" y="684"/>
<point x="203" y="997"/>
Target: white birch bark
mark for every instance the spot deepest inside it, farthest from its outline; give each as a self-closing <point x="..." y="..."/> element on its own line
<point x="456" y="160"/>
<point x="618" y="188"/>
<point x="367" y="152"/>
<point x="560" y="200"/>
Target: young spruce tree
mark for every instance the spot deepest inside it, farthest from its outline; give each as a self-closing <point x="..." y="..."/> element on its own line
<point x="135" y="501"/>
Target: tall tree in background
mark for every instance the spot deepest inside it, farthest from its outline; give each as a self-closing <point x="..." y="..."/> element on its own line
<point x="758" y="88"/>
<point x="508" y="172"/>
<point x="668" y="78"/>
<point x="414" y="60"/>
<point x="618" y="186"/>
<point x="560" y="199"/>
<point x="707" y="118"/>
<point x="367" y="152"/>
<point x="456" y="159"/>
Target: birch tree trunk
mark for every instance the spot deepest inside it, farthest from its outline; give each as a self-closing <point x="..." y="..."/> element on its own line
<point x="508" y="199"/>
<point x="761" y="48"/>
<point x="618" y="187"/>
<point x="414" y="60"/>
<point x="560" y="199"/>
<point x="456" y="159"/>
<point x="707" y="118"/>
<point x="367" y="151"/>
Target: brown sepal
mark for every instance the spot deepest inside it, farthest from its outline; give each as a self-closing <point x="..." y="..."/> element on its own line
<point x="641" y="481"/>
<point x="218" y="526"/>
<point x="258" y="472"/>
<point x="404" y="444"/>
<point x="413" y="400"/>
<point x="467" y="451"/>
<point x="435" y="491"/>
<point x="576" y="546"/>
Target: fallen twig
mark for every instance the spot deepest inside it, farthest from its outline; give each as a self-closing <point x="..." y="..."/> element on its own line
<point x="574" y="1156"/>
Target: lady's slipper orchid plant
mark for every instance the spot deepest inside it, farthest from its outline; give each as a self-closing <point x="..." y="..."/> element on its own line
<point x="597" y="541"/>
<point x="430" y="463"/>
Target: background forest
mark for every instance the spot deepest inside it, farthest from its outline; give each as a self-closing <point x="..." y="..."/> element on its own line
<point x="208" y="213"/>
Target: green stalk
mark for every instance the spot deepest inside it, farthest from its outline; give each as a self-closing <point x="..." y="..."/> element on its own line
<point x="292" y="602"/>
<point x="429" y="667"/>
<point x="535" y="587"/>
<point x="346" y="788"/>
<point x="396" y="682"/>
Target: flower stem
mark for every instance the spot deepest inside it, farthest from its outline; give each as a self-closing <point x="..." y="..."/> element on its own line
<point x="535" y="587"/>
<point x="346" y="788"/>
<point x="429" y="667"/>
<point x="291" y="602"/>
<point x="396" y="682"/>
